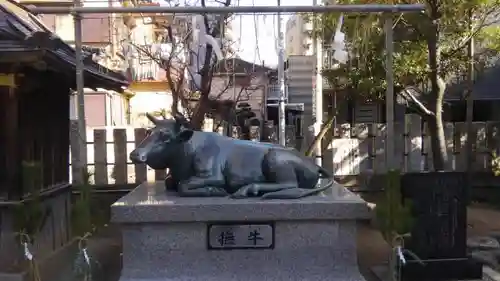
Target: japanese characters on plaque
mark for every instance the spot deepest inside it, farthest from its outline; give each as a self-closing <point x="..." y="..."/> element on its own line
<point x="240" y="236"/>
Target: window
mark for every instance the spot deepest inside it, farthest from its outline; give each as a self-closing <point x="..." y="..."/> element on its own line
<point x="455" y="111"/>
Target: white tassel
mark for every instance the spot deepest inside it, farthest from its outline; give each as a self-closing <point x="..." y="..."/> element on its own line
<point x="86" y="256"/>
<point x="401" y="256"/>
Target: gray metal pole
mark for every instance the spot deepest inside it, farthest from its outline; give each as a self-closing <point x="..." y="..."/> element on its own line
<point x="82" y="131"/>
<point x="389" y="96"/>
<point x="372" y="8"/>
<point x="318" y="91"/>
<point x="469" y="111"/>
<point x="281" y="81"/>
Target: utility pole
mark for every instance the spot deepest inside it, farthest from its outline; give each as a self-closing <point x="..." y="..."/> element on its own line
<point x="318" y="87"/>
<point x="281" y="81"/>
<point x="81" y="158"/>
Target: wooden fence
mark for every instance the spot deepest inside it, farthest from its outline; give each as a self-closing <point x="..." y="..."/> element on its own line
<point x="53" y="235"/>
<point x="108" y="152"/>
<point x="350" y="150"/>
<point x="108" y="161"/>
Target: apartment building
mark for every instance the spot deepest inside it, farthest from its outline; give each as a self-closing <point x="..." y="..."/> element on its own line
<point x="146" y="45"/>
<point x="301" y="71"/>
<point x="101" y="37"/>
<point x="298" y="39"/>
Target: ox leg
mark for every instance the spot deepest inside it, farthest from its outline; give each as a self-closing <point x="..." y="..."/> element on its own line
<point x="202" y="187"/>
<point x="170" y="183"/>
<point x="281" y="178"/>
<point x="285" y="186"/>
<point x="256" y="189"/>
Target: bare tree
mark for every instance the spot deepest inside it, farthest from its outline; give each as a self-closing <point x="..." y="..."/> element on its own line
<point x="175" y="55"/>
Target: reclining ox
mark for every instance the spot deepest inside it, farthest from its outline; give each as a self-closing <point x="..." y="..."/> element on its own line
<point x="204" y="164"/>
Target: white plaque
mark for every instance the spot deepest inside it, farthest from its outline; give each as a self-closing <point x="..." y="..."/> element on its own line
<point x="240" y="236"/>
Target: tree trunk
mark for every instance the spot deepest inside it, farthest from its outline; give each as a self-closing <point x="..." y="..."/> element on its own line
<point x="435" y="102"/>
<point x="199" y="113"/>
<point x="175" y="103"/>
<point x="317" y="139"/>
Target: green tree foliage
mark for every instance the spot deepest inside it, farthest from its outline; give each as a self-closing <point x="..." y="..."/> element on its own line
<point x="364" y="74"/>
<point x="430" y="48"/>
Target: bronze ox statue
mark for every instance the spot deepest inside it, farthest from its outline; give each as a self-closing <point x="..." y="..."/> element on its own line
<point x="206" y="164"/>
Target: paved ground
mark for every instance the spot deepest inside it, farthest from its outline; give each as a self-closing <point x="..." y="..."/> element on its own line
<point x="372" y="249"/>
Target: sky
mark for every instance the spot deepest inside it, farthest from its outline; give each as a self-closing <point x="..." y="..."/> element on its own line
<point x="244" y="29"/>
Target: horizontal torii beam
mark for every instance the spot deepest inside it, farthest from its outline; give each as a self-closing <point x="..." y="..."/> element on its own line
<point x="362" y="8"/>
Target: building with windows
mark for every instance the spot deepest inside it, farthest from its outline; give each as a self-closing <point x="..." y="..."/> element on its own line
<point x="101" y="37"/>
<point x="298" y="39"/>
<point x="153" y="40"/>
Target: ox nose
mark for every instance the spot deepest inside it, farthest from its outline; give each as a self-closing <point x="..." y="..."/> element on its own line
<point x="138" y="157"/>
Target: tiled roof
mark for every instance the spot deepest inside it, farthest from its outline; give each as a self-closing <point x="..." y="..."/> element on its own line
<point x="241" y="66"/>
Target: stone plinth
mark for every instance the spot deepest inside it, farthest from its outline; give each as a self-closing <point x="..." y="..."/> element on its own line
<point x="439" y="206"/>
<point x="167" y="238"/>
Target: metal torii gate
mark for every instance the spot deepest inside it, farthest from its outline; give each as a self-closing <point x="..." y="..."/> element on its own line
<point x="77" y="10"/>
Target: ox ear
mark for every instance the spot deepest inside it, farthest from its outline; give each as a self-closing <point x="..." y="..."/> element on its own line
<point x="184" y="135"/>
<point x="181" y="120"/>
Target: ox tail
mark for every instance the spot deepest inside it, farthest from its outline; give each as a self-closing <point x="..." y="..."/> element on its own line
<point x="324" y="174"/>
<point x="317" y="190"/>
<point x="301" y="192"/>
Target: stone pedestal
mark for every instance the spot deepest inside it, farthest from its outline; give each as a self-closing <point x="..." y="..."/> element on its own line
<point x="167" y="238"/>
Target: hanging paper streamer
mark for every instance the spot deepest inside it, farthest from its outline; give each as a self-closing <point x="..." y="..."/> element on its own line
<point x="398" y="259"/>
<point x="200" y="41"/>
<point x="401" y="256"/>
<point x="338" y="43"/>
<point x="201" y="38"/>
<point x="27" y="252"/>
<point x="86" y="256"/>
<point x="83" y="263"/>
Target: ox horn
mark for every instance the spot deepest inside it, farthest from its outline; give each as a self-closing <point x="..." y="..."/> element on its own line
<point x="151" y="118"/>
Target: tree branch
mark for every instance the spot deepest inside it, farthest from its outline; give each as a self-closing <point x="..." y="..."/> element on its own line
<point x="408" y="95"/>
<point x="480" y="24"/>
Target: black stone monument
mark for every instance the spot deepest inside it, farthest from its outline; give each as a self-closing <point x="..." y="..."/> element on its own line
<point x="439" y="234"/>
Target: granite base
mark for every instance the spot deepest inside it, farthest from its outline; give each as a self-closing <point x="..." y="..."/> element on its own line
<point x="165" y="237"/>
<point x="382" y="274"/>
